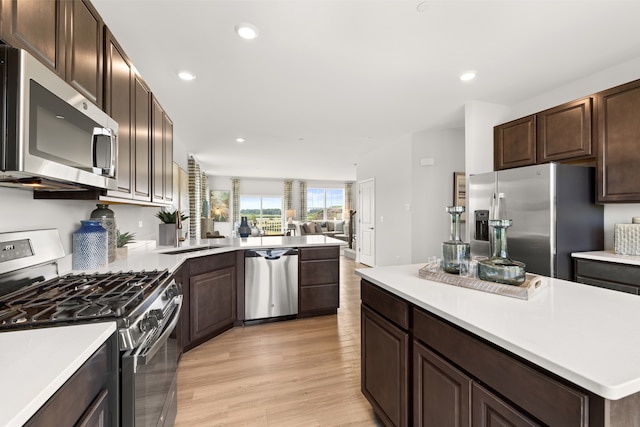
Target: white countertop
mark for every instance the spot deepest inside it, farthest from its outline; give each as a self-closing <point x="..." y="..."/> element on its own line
<point x="35" y="363"/>
<point x="586" y="334"/>
<point x="148" y="257"/>
<point x="608" y="256"/>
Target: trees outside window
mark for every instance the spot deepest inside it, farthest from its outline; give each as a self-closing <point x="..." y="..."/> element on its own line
<point x="265" y="212"/>
<point x="325" y="203"/>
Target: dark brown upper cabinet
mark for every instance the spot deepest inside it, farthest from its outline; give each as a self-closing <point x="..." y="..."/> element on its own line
<point x="118" y="103"/>
<point x="162" y="153"/>
<point x="618" y="141"/>
<point x="35" y="26"/>
<point x="141" y="131"/>
<point x="83" y="52"/>
<point x="559" y="134"/>
<point x="514" y="143"/>
<point x="565" y="132"/>
<point x="66" y="36"/>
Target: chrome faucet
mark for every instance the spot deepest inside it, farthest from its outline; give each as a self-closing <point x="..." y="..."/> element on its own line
<point x="179" y="237"/>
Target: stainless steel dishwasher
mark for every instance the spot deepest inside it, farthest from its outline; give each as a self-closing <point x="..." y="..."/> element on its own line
<point x="271" y="283"/>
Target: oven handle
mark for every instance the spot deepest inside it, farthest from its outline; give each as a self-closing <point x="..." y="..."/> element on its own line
<point x="149" y="352"/>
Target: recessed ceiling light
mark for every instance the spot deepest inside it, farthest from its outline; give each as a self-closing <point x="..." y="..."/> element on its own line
<point x="239" y="140"/>
<point x="468" y="76"/>
<point x="247" y="31"/>
<point x="423" y="6"/>
<point x="185" y="75"/>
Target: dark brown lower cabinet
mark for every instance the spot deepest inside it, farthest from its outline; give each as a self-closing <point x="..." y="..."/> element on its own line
<point x="210" y="287"/>
<point x="319" y="281"/>
<point x="419" y="369"/>
<point x="213" y="302"/>
<point x="609" y="275"/>
<point x="385" y="368"/>
<point x="443" y="395"/>
<point x="490" y="411"/>
<point x="441" y="392"/>
<point x="89" y="397"/>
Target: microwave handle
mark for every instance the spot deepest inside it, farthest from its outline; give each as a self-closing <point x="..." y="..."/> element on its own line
<point x="104" y="152"/>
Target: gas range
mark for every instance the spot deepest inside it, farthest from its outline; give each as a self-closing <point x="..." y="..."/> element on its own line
<point x="30" y="297"/>
<point x="137" y="301"/>
<point x="145" y="305"/>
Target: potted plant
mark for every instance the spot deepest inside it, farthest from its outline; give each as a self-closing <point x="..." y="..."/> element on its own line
<point x="121" y="240"/>
<point x="167" y="230"/>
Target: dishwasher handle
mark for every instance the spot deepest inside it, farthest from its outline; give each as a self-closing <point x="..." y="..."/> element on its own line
<point x="270" y="254"/>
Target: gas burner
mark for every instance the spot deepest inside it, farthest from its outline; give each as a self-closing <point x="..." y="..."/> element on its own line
<point x="81" y="297"/>
<point x="81" y="310"/>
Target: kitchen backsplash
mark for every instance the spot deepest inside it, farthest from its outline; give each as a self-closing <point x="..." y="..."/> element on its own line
<point x="21" y="212"/>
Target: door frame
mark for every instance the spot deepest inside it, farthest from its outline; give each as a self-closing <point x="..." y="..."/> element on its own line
<point x="368" y="235"/>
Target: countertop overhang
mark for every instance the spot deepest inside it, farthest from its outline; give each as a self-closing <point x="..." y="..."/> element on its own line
<point x="587" y="335"/>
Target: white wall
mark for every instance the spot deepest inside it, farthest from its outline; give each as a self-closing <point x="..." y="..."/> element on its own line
<point x="21" y="212"/>
<point x="432" y="189"/>
<point x="390" y="166"/>
<point x="479" y="120"/>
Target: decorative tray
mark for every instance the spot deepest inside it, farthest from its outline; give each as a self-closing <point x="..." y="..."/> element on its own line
<point x="532" y="284"/>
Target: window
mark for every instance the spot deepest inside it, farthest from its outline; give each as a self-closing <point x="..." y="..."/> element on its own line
<point x="325" y="203"/>
<point x="265" y="212"/>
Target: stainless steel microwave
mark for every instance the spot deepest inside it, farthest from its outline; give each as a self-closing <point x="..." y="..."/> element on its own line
<point x="50" y="132"/>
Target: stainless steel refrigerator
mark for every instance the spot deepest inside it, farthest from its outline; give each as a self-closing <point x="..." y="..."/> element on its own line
<point x="553" y="211"/>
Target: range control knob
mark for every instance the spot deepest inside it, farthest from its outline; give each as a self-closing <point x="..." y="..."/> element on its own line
<point x="157" y="314"/>
<point x="148" y="323"/>
<point x="171" y="292"/>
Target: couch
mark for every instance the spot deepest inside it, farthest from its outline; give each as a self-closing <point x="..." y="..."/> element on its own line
<point x="327" y="228"/>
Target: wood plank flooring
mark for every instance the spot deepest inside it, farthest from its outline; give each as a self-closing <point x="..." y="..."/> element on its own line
<point x="296" y="373"/>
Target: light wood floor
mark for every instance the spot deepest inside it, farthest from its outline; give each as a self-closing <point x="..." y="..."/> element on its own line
<point x="295" y="373"/>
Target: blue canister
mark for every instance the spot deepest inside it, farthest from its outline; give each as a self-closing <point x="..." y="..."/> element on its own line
<point x="90" y="246"/>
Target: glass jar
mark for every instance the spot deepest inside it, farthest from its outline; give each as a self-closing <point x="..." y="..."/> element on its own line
<point x="89" y="246"/>
<point x="107" y="218"/>
<point x="500" y="268"/>
<point x="454" y="250"/>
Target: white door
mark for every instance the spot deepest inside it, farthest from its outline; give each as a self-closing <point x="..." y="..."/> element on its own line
<point x="367" y="236"/>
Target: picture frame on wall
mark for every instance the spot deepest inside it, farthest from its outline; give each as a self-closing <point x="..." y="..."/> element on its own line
<point x="219" y="205"/>
<point x="460" y="192"/>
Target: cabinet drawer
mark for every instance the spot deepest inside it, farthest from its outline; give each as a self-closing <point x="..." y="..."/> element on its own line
<point x="321" y="297"/>
<point x="383" y="302"/>
<point x="551" y="401"/>
<point x="211" y="262"/>
<point x="326" y="252"/>
<point x="319" y="272"/>
<point x="608" y="272"/>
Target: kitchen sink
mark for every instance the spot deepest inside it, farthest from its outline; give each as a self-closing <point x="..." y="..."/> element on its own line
<point x="187" y="250"/>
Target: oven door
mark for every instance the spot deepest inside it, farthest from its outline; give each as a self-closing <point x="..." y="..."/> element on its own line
<point x="149" y="375"/>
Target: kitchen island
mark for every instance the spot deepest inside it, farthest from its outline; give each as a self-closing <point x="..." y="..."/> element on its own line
<point x="577" y="345"/>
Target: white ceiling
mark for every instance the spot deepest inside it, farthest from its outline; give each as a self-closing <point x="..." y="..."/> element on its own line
<point x="327" y="80"/>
